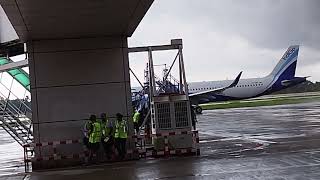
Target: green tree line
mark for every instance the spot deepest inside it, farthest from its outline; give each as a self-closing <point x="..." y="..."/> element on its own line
<point x="307" y="86"/>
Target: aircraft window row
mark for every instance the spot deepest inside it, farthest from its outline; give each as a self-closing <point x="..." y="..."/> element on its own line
<point x="250" y="85"/>
<point x="209" y="88"/>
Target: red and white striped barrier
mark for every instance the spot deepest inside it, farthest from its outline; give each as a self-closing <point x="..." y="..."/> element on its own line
<point x="143" y="152"/>
<point x="72" y="156"/>
<point x="60" y="157"/>
<point x="154" y="153"/>
<point x="167" y="134"/>
<point x="167" y="152"/>
<point x="53" y="143"/>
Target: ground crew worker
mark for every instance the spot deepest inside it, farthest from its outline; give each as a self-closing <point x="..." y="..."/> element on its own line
<point x="86" y="129"/>
<point x="95" y="134"/>
<point x="121" y="135"/>
<point x="193" y="117"/>
<point x="107" y="135"/>
<point x="103" y="120"/>
<point x="136" y="119"/>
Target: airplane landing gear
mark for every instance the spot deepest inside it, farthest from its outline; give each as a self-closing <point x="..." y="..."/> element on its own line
<point x="198" y="110"/>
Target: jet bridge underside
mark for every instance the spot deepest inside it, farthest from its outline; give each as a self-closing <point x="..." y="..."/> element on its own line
<point x="78" y="64"/>
<point x="38" y="20"/>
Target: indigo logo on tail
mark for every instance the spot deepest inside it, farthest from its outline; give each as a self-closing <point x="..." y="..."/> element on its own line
<point x="286" y="67"/>
<point x="288" y="54"/>
<point x="288" y="58"/>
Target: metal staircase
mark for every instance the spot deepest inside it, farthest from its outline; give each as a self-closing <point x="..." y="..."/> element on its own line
<point x="18" y="127"/>
<point x="15" y="113"/>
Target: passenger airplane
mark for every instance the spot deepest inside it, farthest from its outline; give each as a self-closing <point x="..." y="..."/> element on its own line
<point x="282" y="76"/>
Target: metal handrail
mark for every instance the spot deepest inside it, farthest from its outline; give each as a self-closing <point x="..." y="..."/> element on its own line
<point x="15" y="121"/>
<point x="27" y="158"/>
<point x="144" y="121"/>
<point x="17" y="109"/>
<point x="29" y="131"/>
<point x="18" y="121"/>
<point x="14" y="132"/>
<point x="11" y="105"/>
<point x="10" y="133"/>
<point x="14" y="95"/>
<point x="6" y="104"/>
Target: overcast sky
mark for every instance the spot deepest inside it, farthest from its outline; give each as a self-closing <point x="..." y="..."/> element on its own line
<point x="223" y="37"/>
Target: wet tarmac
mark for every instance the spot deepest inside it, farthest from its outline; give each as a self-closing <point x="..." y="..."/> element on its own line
<point x="11" y="155"/>
<point x="278" y="143"/>
<point x="260" y="130"/>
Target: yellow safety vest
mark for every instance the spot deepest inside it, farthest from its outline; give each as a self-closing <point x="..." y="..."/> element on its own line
<point x="121" y="129"/>
<point x="95" y="135"/>
<point x="136" y="117"/>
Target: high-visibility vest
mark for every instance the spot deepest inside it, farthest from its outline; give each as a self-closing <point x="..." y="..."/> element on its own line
<point x="121" y="129"/>
<point x="95" y="135"/>
<point x="136" y="117"/>
<point x="106" y="128"/>
<point x="102" y="124"/>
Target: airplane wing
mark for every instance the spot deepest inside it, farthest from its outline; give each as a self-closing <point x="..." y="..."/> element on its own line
<point x="215" y="91"/>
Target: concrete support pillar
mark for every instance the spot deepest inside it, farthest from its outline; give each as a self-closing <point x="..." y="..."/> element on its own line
<point x="71" y="79"/>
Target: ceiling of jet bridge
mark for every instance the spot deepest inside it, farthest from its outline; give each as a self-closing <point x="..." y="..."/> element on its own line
<point x="55" y="19"/>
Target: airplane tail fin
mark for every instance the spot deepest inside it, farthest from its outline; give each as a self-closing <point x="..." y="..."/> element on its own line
<point x="286" y="68"/>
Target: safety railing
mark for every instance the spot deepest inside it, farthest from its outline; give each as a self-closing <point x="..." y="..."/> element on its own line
<point x="15" y="127"/>
<point x="22" y="104"/>
<point x="16" y="114"/>
<point x="28" y="154"/>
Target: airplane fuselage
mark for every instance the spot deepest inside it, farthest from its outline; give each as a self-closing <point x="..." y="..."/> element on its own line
<point x="282" y="76"/>
<point x="246" y="88"/>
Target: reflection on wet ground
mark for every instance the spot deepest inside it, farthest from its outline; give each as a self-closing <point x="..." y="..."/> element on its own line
<point x="260" y="130"/>
<point x="278" y="142"/>
<point x="11" y="155"/>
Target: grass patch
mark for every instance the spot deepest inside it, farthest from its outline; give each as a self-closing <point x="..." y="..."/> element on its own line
<point x="256" y="103"/>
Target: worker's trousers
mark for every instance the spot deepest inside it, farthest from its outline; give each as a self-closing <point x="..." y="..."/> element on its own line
<point x="121" y="147"/>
